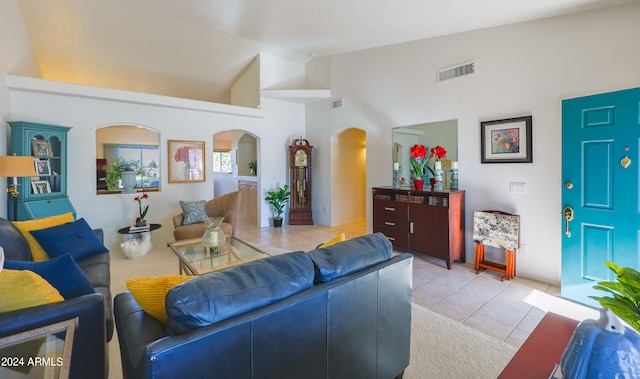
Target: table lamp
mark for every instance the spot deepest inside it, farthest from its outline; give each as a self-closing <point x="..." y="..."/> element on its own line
<point x="13" y="166"/>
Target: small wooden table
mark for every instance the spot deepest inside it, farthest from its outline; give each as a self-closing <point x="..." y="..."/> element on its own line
<point x="542" y="350"/>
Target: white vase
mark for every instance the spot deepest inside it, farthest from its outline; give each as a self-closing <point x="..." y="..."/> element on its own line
<point x="128" y="181"/>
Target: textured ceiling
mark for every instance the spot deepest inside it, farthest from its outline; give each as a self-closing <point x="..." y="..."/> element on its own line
<point x="196" y="49"/>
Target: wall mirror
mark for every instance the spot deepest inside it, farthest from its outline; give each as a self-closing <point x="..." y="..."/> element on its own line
<point x="122" y="148"/>
<point x="443" y="133"/>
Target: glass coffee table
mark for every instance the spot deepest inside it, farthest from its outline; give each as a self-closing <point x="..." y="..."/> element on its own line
<point x="196" y="259"/>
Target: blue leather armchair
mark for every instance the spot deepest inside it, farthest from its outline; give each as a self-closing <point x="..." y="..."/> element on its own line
<point x="89" y="357"/>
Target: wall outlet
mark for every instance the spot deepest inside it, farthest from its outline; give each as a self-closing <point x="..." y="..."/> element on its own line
<point x="522" y="249"/>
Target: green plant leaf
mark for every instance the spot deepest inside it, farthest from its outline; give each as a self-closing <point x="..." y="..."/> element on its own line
<point x="617" y="287"/>
<point x="626" y="294"/>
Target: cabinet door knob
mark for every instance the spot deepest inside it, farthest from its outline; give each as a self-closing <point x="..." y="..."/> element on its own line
<point x="389" y="209"/>
<point x="390" y="223"/>
<point x="411" y="227"/>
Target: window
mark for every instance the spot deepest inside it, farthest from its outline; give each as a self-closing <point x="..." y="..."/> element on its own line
<point x="143" y="158"/>
<point x="222" y="161"/>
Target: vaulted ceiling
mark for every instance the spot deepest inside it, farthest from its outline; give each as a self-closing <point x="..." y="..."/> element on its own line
<point x="197" y="48"/>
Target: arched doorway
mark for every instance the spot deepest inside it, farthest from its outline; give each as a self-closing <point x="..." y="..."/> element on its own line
<point x="349" y="176"/>
<point x="234" y="152"/>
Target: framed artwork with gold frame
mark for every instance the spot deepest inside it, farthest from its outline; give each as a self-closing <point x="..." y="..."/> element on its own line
<point x="186" y="161"/>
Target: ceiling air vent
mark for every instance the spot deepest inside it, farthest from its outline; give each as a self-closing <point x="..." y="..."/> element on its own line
<point x="336" y="103"/>
<point x="457" y="71"/>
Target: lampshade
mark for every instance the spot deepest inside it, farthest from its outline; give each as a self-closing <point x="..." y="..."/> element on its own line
<point x="14" y="165"/>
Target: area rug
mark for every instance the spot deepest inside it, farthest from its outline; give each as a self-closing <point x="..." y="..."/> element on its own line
<point x="443" y="348"/>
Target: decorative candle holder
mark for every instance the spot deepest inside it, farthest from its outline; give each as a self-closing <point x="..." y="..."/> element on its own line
<point x="213" y="238"/>
<point x="454" y="180"/>
<point x="438" y="177"/>
<point x="396" y="178"/>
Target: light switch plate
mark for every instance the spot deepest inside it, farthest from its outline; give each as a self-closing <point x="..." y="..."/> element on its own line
<point x="518" y="187"/>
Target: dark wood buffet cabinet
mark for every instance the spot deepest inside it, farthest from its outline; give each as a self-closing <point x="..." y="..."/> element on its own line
<point x="422" y="222"/>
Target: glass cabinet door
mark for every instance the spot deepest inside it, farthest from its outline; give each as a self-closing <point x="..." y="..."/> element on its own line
<point x="47" y="152"/>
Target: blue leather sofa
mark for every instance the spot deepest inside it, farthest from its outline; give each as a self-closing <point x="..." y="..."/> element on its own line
<point x="89" y="356"/>
<point x="337" y="312"/>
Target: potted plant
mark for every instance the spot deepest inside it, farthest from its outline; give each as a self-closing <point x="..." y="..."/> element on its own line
<point x="113" y="174"/>
<point x="253" y="167"/>
<point x="625" y="302"/>
<point x="278" y="199"/>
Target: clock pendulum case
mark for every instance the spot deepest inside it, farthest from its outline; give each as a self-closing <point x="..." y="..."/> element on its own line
<point x="300" y="161"/>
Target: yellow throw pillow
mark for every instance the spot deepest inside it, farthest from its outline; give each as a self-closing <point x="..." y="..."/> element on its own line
<point x="339" y="238"/>
<point x="21" y="289"/>
<point x="25" y="227"/>
<point x="150" y="293"/>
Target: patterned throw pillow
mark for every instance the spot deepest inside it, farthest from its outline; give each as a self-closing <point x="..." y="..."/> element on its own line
<point x="193" y="212"/>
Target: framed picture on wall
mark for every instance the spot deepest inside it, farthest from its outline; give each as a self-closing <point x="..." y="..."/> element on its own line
<point x="506" y="141"/>
<point x="186" y="161"/>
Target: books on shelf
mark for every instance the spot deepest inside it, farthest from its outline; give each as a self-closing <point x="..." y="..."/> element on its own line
<point x="138" y="229"/>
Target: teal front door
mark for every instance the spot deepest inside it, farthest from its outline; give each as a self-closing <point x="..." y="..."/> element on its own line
<point x="600" y="215"/>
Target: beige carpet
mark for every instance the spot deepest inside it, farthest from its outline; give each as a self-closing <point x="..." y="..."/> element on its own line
<point x="440" y="347"/>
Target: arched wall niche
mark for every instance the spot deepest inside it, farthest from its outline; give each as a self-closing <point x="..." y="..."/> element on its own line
<point x="127" y="147"/>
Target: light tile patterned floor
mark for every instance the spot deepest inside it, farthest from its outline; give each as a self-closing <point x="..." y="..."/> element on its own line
<point x="508" y="311"/>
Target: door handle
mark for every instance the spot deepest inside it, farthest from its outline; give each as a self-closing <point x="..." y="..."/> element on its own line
<point x="568" y="216"/>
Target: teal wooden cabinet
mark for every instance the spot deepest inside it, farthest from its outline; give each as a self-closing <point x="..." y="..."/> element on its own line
<point x="45" y="194"/>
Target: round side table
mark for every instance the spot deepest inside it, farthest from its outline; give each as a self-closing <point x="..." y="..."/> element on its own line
<point x="140" y="242"/>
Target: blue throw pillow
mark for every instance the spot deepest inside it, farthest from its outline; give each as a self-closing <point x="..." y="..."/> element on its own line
<point x="193" y="212"/>
<point x="350" y="256"/>
<point x="62" y="273"/>
<point x="75" y="238"/>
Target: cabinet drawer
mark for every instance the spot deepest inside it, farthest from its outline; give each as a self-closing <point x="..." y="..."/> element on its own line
<point x="398" y="239"/>
<point x="390" y="223"/>
<point x="388" y="208"/>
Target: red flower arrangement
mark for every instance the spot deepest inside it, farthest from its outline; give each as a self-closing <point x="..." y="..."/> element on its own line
<point x="146" y="208"/>
<point x="419" y="157"/>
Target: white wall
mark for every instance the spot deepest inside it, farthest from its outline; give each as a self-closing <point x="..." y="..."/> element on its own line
<point x="174" y="119"/>
<point x="522" y="69"/>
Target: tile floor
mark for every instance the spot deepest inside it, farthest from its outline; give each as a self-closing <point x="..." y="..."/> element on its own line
<point x="508" y="311"/>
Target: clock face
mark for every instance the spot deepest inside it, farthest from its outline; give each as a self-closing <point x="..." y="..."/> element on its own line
<point x="301" y="158"/>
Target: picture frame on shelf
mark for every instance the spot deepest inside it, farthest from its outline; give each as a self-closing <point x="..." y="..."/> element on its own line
<point x="186" y="161"/>
<point x="42" y="167"/>
<point x="40" y="186"/>
<point x="507" y="140"/>
<point x="41" y="148"/>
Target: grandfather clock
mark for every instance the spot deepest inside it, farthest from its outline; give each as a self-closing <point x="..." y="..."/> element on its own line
<point x="300" y="162"/>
